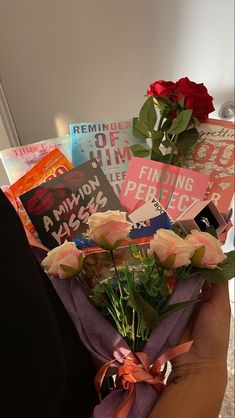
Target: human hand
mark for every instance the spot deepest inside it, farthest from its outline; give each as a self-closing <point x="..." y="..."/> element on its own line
<point x="201" y="373"/>
<point x="208" y="328"/>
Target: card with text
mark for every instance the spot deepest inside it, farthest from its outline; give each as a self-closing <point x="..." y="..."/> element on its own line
<point x="109" y="143"/>
<point x="214" y="155"/>
<point x="60" y="208"/>
<point x="174" y="187"/>
<point x="18" y="161"/>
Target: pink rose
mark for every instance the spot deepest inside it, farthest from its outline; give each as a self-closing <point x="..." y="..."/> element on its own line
<point x="109" y="228"/>
<point x="64" y="261"/>
<point x="170" y="250"/>
<point x="196" y="97"/>
<point x="161" y="88"/>
<point x="208" y="251"/>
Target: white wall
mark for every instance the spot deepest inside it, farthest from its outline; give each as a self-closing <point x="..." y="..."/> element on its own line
<point x="4" y="143"/>
<point x="81" y="60"/>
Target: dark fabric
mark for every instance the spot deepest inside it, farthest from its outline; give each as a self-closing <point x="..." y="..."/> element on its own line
<point x="45" y="370"/>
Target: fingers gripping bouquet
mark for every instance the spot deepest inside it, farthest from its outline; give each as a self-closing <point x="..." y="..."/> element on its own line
<point x="131" y="318"/>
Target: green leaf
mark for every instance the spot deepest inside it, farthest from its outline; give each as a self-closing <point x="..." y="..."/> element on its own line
<point x="166" y="125"/>
<point x="156" y="145"/>
<point x="149" y="315"/>
<point x="179" y="163"/>
<point x="197" y="256"/>
<point x="156" y="142"/>
<point x="139" y="150"/>
<point x="174" y="159"/>
<point x="149" y="261"/>
<point x="139" y="129"/>
<point x="157" y="135"/>
<point x="71" y="272"/>
<point x="169" y="262"/>
<point x="153" y="291"/>
<point x="105" y="244"/>
<point x="148" y="114"/>
<point x="229" y="259"/>
<point x="167" y="143"/>
<point x="164" y="100"/>
<point x="134" y="250"/>
<point x="98" y="295"/>
<point x="224" y="273"/>
<point x="180" y="123"/>
<point x="181" y="102"/>
<point x="162" y="108"/>
<point x="143" y="278"/>
<point x="156" y="155"/>
<point x="187" y="139"/>
<point x="169" y="309"/>
<point x="196" y="121"/>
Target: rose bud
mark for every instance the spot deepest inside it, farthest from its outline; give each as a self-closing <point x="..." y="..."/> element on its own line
<point x="108" y="229"/>
<point x="64" y="261"/>
<point x="170" y="250"/>
<point x="161" y="88"/>
<point x="208" y="252"/>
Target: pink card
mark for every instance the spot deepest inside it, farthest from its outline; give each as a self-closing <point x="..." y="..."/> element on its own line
<point x="214" y="155"/>
<point x="176" y="188"/>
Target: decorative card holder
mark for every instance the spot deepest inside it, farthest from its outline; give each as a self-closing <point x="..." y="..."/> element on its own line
<point x="201" y="215"/>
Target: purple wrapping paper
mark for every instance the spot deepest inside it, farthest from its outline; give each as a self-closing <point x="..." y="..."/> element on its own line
<point x="104" y="342"/>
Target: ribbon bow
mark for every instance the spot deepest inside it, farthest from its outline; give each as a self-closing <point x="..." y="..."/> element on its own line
<point x="136" y="368"/>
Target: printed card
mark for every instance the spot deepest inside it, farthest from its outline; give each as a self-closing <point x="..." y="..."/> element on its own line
<point x="214" y="156"/>
<point x="148" y="210"/>
<point x="174" y="187"/>
<point x="50" y="166"/>
<point x="60" y="208"/>
<point x="18" y="160"/>
<point x="109" y="143"/>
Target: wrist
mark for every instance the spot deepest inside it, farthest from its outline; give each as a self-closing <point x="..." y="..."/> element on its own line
<point x="210" y="365"/>
<point x="195" y="390"/>
<point x="212" y="369"/>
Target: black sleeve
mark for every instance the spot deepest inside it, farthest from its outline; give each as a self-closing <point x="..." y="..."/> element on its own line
<point x="45" y="371"/>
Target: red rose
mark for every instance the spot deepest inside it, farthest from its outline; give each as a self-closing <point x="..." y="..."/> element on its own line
<point x="196" y="97"/>
<point x="161" y="88"/>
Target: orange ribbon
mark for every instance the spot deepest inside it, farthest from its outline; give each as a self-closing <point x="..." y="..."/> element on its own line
<point x="136" y="368"/>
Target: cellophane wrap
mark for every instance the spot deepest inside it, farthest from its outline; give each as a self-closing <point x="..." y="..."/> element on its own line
<point x="105" y="343"/>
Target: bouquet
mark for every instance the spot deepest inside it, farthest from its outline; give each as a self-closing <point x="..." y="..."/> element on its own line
<point x="181" y="105"/>
<point x="131" y="316"/>
<point x="130" y="302"/>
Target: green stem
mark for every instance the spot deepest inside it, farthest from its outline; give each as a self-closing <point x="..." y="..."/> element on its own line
<point x="114" y="263"/>
<point x="83" y="280"/>
<point x="193" y="274"/>
<point x="160" y="121"/>
<point x="133" y="330"/>
<point x="158" y="129"/>
<point x="173" y="148"/>
<point x="116" y="272"/>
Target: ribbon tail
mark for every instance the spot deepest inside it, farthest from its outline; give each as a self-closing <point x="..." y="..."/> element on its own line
<point x="123" y="410"/>
<point x="101" y="375"/>
<point x="170" y="354"/>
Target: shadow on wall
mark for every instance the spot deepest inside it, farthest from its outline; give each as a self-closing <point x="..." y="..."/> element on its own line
<point x="84" y="61"/>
